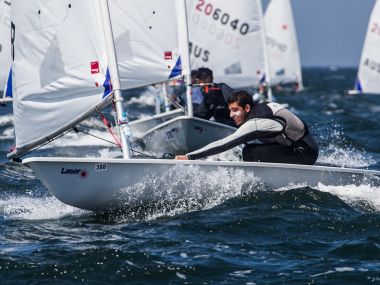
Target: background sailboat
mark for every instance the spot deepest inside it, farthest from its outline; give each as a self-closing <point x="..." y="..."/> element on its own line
<point x="368" y="78"/>
<point x="228" y="38"/>
<point x="283" y="52"/>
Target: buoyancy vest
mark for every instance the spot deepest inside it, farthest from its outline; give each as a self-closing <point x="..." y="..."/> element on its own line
<point x="294" y="129"/>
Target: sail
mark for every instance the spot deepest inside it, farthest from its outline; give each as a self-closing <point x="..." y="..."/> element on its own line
<point x="368" y="78"/>
<point x="146" y="38"/>
<point x="226" y="36"/>
<point x="5" y="42"/>
<point x="59" y="67"/>
<point x="64" y="74"/>
<point x="282" y="45"/>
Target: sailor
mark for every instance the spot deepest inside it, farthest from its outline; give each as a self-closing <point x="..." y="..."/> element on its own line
<point x="284" y="137"/>
<point x="215" y="97"/>
<point x="196" y="92"/>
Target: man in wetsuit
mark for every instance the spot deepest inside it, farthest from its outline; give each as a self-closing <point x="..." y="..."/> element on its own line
<point x="284" y="137"/>
<point x="215" y="97"/>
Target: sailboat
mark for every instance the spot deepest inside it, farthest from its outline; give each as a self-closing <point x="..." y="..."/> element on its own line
<point x="216" y="29"/>
<point x="283" y="52"/>
<point x="5" y="50"/>
<point x="368" y="78"/>
<point x="71" y="70"/>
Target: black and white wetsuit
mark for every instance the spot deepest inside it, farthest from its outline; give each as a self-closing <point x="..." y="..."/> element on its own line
<point x="284" y="138"/>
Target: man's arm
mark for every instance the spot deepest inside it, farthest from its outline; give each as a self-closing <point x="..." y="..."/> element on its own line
<point x="251" y="130"/>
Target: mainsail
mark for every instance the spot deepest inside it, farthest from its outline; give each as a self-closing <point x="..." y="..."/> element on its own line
<point x="368" y="78"/>
<point x="283" y="53"/>
<point x="5" y="42"/>
<point x="64" y="75"/>
<point x="227" y="36"/>
<point x="146" y="38"/>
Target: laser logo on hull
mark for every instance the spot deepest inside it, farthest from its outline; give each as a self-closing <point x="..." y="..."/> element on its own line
<point x="67" y="171"/>
<point x="70" y="171"/>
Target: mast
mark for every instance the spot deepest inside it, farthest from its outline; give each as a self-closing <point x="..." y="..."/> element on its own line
<point x="115" y="79"/>
<point x="184" y="40"/>
<point x="265" y="51"/>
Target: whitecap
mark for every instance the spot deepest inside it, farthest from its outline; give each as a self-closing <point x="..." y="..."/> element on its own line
<point x="31" y="208"/>
<point x="352" y="194"/>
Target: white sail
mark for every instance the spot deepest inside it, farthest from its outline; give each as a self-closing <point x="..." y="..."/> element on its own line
<point x="5" y="42"/>
<point x="368" y="79"/>
<point x="146" y="38"/>
<point x="64" y="76"/>
<point x="59" y="66"/>
<point x="283" y="53"/>
<point x="226" y="36"/>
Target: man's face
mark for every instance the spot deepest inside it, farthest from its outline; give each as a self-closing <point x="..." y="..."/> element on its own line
<point x="238" y="113"/>
<point x="205" y="79"/>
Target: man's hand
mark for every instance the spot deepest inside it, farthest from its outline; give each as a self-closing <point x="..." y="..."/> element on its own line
<point x="181" y="157"/>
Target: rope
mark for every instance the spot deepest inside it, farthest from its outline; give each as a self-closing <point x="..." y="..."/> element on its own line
<point x="91" y="135"/>
<point x="111" y="142"/>
<point x="174" y="103"/>
<point x="17" y="159"/>
<point x="109" y="127"/>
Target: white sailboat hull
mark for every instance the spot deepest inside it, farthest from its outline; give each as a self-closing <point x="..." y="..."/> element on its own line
<point x="184" y="134"/>
<point x="111" y="184"/>
<point x="141" y="126"/>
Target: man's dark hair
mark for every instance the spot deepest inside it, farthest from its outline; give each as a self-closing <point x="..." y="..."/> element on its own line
<point x="194" y="72"/>
<point x="242" y="98"/>
<point x="203" y="72"/>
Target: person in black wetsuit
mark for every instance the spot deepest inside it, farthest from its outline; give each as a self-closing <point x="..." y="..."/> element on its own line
<point x="215" y="97"/>
<point x="284" y="137"/>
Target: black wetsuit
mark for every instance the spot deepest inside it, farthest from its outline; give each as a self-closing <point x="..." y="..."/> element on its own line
<point x="214" y="104"/>
<point x="285" y="138"/>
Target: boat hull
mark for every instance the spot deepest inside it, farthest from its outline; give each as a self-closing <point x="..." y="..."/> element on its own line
<point x="141" y="126"/>
<point x="184" y="134"/>
<point x="111" y="184"/>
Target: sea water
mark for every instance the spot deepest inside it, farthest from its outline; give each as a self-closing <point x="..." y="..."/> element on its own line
<point x="221" y="230"/>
